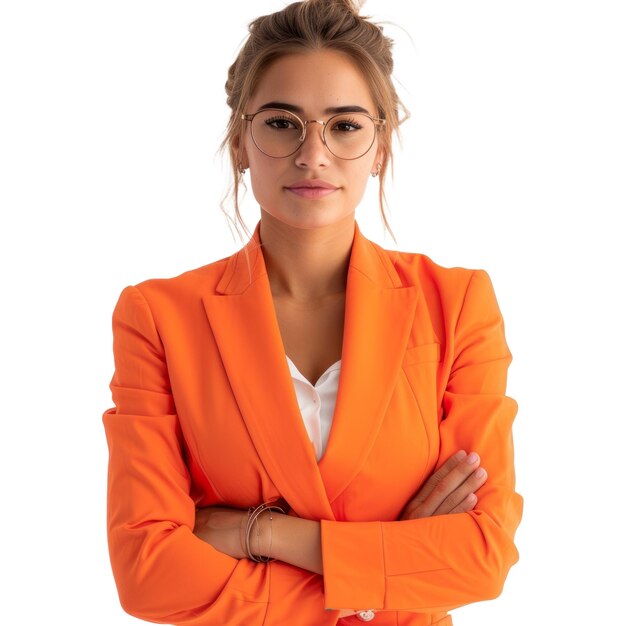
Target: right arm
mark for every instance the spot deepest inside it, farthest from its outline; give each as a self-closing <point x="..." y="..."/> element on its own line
<point x="163" y="572"/>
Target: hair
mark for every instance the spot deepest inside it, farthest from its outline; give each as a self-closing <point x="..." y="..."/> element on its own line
<point x="308" y="26"/>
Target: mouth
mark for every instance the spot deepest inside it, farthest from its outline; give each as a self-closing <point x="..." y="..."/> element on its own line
<point x="313" y="193"/>
<point x="312" y="188"/>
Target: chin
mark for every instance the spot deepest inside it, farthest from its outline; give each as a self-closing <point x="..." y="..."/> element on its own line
<point x="312" y="215"/>
<point x="313" y="219"/>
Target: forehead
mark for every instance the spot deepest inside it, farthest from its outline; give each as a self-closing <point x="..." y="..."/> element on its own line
<point x="313" y="81"/>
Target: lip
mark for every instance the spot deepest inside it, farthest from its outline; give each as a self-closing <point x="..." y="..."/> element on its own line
<point x="312" y="188"/>
<point x="312" y="183"/>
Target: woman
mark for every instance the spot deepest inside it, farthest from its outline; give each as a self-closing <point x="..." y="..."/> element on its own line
<point x="303" y="430"/>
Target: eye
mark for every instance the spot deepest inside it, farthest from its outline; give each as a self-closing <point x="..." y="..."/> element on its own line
<point x="346" y="125"/>
<point x="280" y="122"/>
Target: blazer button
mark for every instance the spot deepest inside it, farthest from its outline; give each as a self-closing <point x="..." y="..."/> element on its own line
<point x="366" y="616"/>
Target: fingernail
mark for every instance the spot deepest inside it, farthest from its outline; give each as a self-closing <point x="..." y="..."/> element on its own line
<point x="480" y="473"/>
<point x="472" y="458"/>
<point x="460" y="455"/>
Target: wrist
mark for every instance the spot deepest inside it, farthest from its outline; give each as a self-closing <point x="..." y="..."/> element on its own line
<point x="261" y="536"/>
<point x="269" y="534"/>
<point x="258" y="535"/>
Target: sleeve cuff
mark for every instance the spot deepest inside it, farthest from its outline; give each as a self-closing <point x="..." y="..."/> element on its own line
<point x="354" y="565"/>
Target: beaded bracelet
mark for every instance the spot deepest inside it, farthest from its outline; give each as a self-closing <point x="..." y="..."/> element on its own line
<point x="253" y="515"/>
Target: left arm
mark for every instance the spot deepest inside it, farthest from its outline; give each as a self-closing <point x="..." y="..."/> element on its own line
<point x="442" y="562"/>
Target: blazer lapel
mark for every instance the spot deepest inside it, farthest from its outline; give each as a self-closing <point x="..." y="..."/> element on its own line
<point x="378" y="317"/>
<point x="243" y="320"/>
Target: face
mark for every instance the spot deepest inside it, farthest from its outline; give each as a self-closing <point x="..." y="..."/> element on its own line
<point x="312" y="85"/>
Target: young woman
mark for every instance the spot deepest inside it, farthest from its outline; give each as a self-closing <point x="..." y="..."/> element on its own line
<point x="314" y="430"/>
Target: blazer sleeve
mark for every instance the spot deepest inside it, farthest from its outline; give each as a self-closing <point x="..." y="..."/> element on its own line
<point x="442" y="562"/>
<point x="163" y="572"/>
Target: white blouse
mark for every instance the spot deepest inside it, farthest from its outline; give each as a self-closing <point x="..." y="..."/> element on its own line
<point x="317" y="403"/>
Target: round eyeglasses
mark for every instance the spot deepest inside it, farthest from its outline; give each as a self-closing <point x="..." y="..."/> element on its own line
<point x="279" y="133"/>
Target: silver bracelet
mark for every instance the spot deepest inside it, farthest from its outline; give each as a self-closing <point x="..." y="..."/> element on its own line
<point x="253" y="515"/>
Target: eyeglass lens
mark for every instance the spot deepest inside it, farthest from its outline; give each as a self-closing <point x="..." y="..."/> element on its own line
<point x="279" y="133"/>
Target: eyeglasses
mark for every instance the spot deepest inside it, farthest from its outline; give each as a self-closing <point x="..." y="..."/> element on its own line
<point x="279" y="133"/>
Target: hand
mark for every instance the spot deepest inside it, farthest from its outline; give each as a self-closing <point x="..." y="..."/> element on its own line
<point x="450" y="489"/>
<point x="224" y="528"/>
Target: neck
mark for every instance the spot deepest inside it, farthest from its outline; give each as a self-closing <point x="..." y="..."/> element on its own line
<point x="306" y="264"/>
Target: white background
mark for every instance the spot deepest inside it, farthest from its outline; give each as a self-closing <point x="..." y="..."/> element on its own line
<point x="514" y="161"/>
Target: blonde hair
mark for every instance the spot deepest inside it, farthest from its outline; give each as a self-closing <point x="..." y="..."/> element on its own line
<point x="308" y="26"/>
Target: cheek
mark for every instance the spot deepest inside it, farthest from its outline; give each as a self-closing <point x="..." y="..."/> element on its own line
<point x="359" y="175"/>
<point x="259" y="184"/>
<point x="259" y="169"/>
<point x="265" y="177"/>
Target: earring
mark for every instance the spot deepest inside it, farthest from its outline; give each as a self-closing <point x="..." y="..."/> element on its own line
<point x="379" y="166"/>
<point x="242" y="170"/>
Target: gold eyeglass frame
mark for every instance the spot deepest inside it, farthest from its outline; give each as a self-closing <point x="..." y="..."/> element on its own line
<point x="378" y="122"/>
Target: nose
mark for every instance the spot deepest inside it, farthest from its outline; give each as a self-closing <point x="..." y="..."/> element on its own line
<point x="313" y="153"/>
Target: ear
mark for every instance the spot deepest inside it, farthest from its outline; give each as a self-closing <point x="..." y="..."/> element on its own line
<point x="380" y="157"/>
<point x="239" y="152"/>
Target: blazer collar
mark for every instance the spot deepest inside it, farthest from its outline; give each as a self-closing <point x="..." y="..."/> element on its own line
<point x="248" y="265"/>
<point x="379" y="314"/>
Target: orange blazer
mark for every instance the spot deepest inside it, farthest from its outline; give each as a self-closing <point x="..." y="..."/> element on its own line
<point x="205" y="413"/>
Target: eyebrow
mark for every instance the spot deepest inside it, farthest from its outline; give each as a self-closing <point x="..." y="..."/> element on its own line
<point x="351" y="108"/>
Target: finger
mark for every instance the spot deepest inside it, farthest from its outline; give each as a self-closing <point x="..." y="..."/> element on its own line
<point x="427" y="488"/>
<point x="474" y="482"/>
<point x="452" y="481"/>
<point x="468" y="503"/>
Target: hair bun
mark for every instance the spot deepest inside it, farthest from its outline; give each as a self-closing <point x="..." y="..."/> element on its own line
<point x="353" y="6"/>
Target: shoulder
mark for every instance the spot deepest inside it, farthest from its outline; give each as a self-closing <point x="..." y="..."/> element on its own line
<point x="180" y="292"/>
<point x="200" y="279"/>
<point x="460" y="302"/>
<point x="447" y="289"/>
<point x="416" y="268"/>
